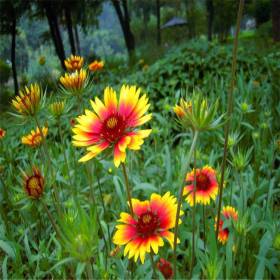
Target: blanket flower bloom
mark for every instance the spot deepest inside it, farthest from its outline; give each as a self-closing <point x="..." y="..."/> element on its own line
<point x="75" y="82"/>
<point x="2" y="133"/>
<point x="27" y="103"/>
<point x="112" y="124"/>
<point x="206" y="186"/>
<point x="74" y="62"/>
<point x="165" y="268"/>
<point x="34" y="138"/>
<point x="96" y="65"/>
<point x="34" y="184"/>
<point x="151" y="223"/>
<point x="228" y="212"/>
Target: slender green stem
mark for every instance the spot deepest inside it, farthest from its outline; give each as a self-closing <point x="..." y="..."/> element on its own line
<point x="153" y="265"/>
<point x="51" y="218"/>
<point x="98" y="218"/>
<point x="64" y="153"/>
<point x="127" y="188"/>
<point x="180" y="196"/>
<point x="4" y="205"/>
<point x="204" y="226"/>
<point x="193" y="213"/>
<point x="89" y="271"/>
<point x="56" y="195"/>
<point x="103" y="206"/>
<point x="229" y="110"/>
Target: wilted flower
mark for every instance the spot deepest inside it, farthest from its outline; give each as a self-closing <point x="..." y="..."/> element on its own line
<point x="197" y="113"/>
<point x="112" y="124"/>
<point x="151" y="223"/>
<point x="72" y="122"/>
<point x="57" y="108"/>
<point x="75" y="83"/>
<point x="2" y="133"/>
<point x="206" y="186"/>
<point x="34" y="184"/>
<point x="115" y="251"/>
<point x="228" y="213"/>
<point x="34" y="138"/>
<point x="96" y="65"/>
<point x="165" y="268"/>
<point x="74" y="62"/>
<point x="28" y="100"/>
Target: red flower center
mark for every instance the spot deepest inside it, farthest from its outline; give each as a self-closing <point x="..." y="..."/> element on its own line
<point x="202" y="182"/>
<point x="113" y="128"/>
<point x="147" y="223"/>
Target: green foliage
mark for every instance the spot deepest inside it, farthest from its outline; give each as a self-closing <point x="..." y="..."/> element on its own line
<point x="5" y="72"/>
<point x="29" y="246"/>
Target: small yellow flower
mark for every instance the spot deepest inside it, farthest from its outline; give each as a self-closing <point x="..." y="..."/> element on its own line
<point x="28" y="100"/>
<point x="74" y="62"/>
<point x="57" y="108"/>
<point x="2" y="133"/>
<point x="96" y="65"/>
<point x="74" y="82"/>
<point x="34" y="138"/>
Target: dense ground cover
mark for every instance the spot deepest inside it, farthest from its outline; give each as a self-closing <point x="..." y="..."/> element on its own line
<point x="92" y="195"/>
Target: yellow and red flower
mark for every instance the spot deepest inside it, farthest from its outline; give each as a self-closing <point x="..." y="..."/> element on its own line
<point x="183" y="108"/>
<point x="34" y="184"/>
<point x="2" y="133"/>
<point x="96" y="65"/>
<point x="75" y="82"/>
<point x="148" y="227"/>
<point x="165" y="268"/>
<point x="28" y="100"/>
<point x="34" y="138"/>
<point x="228" y="212"/>
<point x="74" y="62"/>
<point x="112" y="124"/>
<point x="206" y="186"/>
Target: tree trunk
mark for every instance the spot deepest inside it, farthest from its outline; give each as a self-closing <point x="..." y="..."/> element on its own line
<point x="210" y="18"/>
<point x="191" y="17"/>
<point x="275" y="16"/>
<point x="55" y="33"/>
<point x="125" y="24"/>
<point x="13" y="54"/>
<point x="69" y="25"/>
<point x="158" y="22"/>
<point x="77" y="39"/>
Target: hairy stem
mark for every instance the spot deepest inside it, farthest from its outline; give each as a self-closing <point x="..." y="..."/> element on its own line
<point x="229" y="110"/>
<point x="48" y="159"/>
<point x="180" y="196"/>
<point x="127" y="188"/>
<point x="193" y="213"/>
<point x="51" y="218"/>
